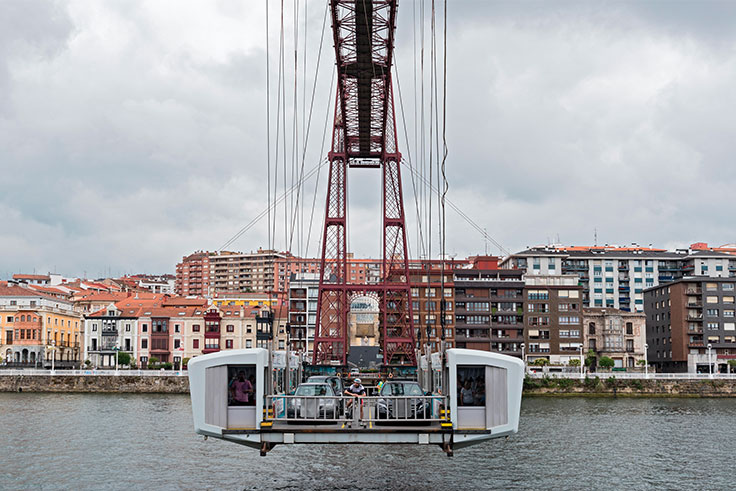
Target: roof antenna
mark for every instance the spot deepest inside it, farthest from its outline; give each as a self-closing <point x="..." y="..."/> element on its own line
<point x="595" y="237"/>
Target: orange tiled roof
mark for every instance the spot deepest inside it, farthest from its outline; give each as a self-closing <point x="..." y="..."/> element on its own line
<point x="30" y="277"/>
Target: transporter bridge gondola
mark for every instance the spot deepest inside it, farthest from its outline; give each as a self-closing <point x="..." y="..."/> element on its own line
<point x="483" y="402"/>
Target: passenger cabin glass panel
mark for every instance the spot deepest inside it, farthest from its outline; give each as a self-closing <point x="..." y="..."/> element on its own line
<point x="471" y="383"/>
<point x="241" y="385"/>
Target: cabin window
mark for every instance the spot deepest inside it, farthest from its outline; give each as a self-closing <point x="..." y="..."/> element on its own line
<point x="241" y="385"/>
<point x="471" y="386"/>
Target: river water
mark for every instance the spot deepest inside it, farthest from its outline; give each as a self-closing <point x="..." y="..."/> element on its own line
<point x="96" y="441"/>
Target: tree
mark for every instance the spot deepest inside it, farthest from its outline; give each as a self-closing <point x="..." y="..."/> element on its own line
<point x="152" y="361"/>
<point x="540" y="362"/>
<point x="575" y="362"/>
<point x="606" y="362"/>
<point x="641" y="363"/>
<point x="123" y="358"/>
<point x="590" y="360"/>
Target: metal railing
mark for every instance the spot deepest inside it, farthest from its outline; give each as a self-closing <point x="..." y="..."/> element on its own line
<point x="91" y="372"/>
<point x="634" y="375"/>
<point x="361" y="411"/>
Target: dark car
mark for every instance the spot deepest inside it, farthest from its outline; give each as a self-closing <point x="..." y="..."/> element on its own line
<point x="396" y="403"/>
<point x="311" y="406"/>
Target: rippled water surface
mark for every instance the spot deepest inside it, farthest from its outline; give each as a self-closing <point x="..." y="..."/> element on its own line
<point x="86" y="441"/>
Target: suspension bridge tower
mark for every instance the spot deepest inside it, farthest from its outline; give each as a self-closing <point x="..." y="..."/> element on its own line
<point x="364" y="136"/>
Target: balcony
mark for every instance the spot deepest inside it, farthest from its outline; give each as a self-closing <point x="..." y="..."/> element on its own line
<point x="693" y="291"/>
<point x="695" y="305"/>
<point x="695" y="317"/>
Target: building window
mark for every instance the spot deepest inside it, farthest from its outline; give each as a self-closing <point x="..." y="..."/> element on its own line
<point x="144" y="327"/>
<point x="591" y="328"/>
<point x="230" y="328"/>
<point x="195" y="343"/>
<point x="248" y="343"/>
<point x="177" y="343"/>
<point x="629" y="328"/>
<point x="144" y="344"/>
<point x="229" y="343"/>
<point x="195" y="328"/>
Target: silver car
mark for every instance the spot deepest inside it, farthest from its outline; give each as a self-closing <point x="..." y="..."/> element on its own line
<point x="311" y="406"/>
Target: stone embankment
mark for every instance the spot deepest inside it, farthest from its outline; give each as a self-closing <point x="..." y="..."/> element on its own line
<point x="174" y="384"/>
<point x="630" y="387"/>
<point x="159" y="384"/>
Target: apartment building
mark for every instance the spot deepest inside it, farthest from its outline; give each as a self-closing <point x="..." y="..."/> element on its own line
<point x="489" y="310"/>
<point x="691" y="324"/>
<point x="616" y="334"/>
<point x="432" y="285"/>
<point x="611" y="276"/>
<point x="303" y="296"/>
<point x="193" y="275"/>
<point x="553" y="319"/>
<point x="36" y="328"/>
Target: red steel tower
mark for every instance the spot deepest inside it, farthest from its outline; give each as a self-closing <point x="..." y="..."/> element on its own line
<point x="364" y="135"/>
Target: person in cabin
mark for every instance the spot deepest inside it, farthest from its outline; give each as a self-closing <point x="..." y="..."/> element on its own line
<point x="241" y="389"/>
<point x="466" y="394"/>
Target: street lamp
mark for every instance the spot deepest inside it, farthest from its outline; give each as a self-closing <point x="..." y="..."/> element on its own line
<point x="581" y="360"/>
<point x="523" y="360"/>
<point x="710" y="364"/>
<point x="646" y="360"/>
<point x="117" y="349"/>
<point x="53" y="357"/>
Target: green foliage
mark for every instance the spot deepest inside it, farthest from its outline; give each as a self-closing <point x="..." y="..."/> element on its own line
<point x="641" y="363"/>
<point x="167" y="366"/>
<point x="185" y="361"/>
<point x="565" y="383"/>
<point x="87" y="363"/>
<point x="123" y="358"/>
<point x="606" y="362"/>
<point x="732" y="363"/>
<point x="590" y="358"/>
<point x="592" y="383"/>
<point x="152" y="362"/>
<point x="575" y="362"/>
<point x="540" y="362"/>
<point x="611" y="381"/>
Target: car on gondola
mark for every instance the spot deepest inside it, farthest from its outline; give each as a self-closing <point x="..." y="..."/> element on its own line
<point x="402" y="400"/>
<point x="311" y="406"/>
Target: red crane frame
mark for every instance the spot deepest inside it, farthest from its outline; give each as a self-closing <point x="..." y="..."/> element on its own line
<point x="364" y="135"/>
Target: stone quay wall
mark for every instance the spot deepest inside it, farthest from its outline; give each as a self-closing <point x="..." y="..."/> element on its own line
<point x="630" y="387"/>
<point x="175" y="384"/>
<point x="157" y="384"/>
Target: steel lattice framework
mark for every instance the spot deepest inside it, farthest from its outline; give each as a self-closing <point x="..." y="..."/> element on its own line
<point x="364" y="135"/>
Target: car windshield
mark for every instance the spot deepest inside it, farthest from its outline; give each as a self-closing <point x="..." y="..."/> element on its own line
<point x="314" y="390"/>
<point x="401" y="389"/>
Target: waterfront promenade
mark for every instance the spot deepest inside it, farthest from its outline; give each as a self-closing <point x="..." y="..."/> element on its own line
<point x="551" y="384"/>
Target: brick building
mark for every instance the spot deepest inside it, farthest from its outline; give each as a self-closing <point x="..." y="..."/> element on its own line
<point x="553" y="318"/>
<point x="686" y="318"/>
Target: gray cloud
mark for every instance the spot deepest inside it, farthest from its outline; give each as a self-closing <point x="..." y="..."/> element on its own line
<point x="133" y="133"/>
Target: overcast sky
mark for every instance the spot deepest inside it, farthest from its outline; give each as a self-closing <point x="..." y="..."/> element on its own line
<point x="133" y="133"/>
